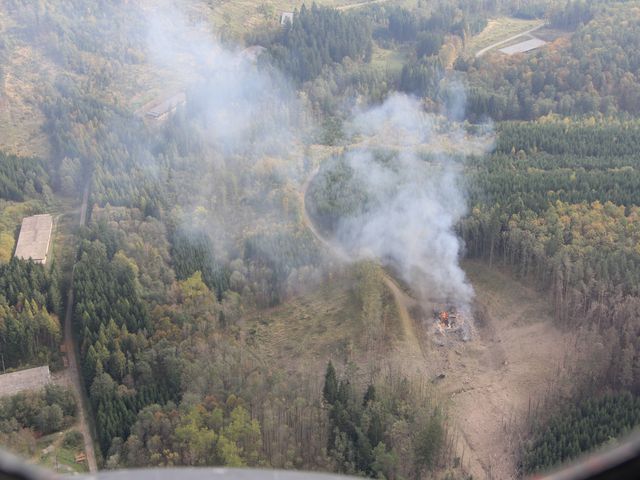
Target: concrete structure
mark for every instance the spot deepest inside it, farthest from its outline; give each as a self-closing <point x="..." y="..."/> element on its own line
<point x="24" y="380"/>
<point x="35" y="237"/>
<point x="286" y="17"/>
<point x="523" y="47"/>
<point x="164" y="108"/>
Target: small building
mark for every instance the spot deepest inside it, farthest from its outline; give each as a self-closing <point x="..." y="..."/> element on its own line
<point x="34" y="238"/>
<point x="286" y="17"/>
<point x="161" y="110"/>
<point x="24" y="380"/>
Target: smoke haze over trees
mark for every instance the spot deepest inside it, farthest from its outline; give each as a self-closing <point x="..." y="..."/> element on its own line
<point x="206" y="311"/>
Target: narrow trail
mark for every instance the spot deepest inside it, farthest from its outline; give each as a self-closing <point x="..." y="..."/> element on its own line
<point x="400" y="298"/>
<point x="497" y="44"/>
<point x="73" y="370"/>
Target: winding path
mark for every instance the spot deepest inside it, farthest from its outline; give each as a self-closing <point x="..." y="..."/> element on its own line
<point x="401" y="299"/>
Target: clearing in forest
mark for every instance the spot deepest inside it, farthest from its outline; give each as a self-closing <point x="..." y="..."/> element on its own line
<point x="498" y="31"/>
<point x="515" y="359"/>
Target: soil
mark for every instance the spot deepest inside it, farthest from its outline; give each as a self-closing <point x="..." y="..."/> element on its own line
<point x="496" y="380"/>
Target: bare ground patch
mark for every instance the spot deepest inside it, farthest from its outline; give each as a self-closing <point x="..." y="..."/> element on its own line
<point x="514" y="360"/>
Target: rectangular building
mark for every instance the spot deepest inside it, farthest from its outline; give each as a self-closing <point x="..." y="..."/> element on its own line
<point x="24" y="380"/>
<point x="34" y="239"/>
<point x="523" y="47"/>
<point x="161" y="110"/>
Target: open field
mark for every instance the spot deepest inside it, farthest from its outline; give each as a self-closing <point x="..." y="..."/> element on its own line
<point x="499" y="30"/>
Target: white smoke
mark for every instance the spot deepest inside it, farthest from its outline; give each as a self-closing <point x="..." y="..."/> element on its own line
<point x="417" y="203"/>
<point x="248" y="110"/>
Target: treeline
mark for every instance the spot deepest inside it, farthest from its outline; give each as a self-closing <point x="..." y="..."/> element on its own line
<point x="578" y="429"/>
<point x="29" y="302"/>
<point x="573" y="14"/>
<point x="70" y="31"/>
<point x="317" y="37"/>
<point x="336" y="193"/>
<point x="596" y="72"/>
<point x="192" y="251"/>
<point x="583" y="253"/>
<point x="603" y="138"/>
<point x="110" y="320"/>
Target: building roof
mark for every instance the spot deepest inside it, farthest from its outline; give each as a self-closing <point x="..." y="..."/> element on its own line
<point x="167" y="105"/>
<point x="522" y="47"/>
<point x="20" y="381"/>
<point x="35" y="235"/>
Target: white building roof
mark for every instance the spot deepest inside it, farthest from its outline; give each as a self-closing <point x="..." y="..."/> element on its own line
<point x="35" y="235"/>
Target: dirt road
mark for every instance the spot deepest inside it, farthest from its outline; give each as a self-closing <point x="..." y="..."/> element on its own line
<point x="515" y="358"/>
<point x="72" y="356"/>
<point x="401" y="299"/>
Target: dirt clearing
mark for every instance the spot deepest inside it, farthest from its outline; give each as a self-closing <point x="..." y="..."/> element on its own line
<point x="513" y="359"/>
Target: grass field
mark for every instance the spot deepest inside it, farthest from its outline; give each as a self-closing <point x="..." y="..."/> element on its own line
<point x="497" y="30"/>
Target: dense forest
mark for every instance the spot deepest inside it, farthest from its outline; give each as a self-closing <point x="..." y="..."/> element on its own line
<point x="196" y="245"/>
<point x="30" y="331"/>
<point x="557" y="203"/>
<point x="318" y="37"/>
<point x="577" y="429"/>
<point x="595" y="73"/>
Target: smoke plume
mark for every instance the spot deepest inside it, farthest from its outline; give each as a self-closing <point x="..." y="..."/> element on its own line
<point x="416" y="202"/>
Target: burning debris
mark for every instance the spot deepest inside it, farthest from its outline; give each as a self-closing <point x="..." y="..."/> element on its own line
<point x="449" y="319"/>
